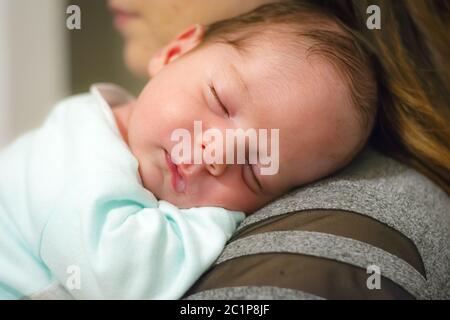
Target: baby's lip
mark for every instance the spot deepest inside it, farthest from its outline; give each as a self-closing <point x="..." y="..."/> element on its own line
<point x="177" y="179"/>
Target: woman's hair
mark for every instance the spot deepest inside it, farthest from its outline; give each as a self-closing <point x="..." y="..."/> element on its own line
<point x="411" y="52"/>
<point x="323" y="35"/>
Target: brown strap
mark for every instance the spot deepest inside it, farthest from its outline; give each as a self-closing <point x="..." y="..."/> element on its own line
<point x="324" y="278"/>
<point x="345" y="224"/>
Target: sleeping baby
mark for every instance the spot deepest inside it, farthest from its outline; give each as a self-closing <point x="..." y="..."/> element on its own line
<point x="99" y="203"/>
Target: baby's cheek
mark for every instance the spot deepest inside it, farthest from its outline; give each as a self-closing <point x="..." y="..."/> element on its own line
<point x="247" y="201"/>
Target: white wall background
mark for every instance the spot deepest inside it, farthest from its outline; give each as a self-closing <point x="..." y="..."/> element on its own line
<point x="34" y="63"/>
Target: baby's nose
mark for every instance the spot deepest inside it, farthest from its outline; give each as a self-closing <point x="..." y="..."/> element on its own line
<point x="216" y="169"/>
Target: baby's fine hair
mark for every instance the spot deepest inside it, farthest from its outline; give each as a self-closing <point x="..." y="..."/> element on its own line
<point x="325" y="36"/>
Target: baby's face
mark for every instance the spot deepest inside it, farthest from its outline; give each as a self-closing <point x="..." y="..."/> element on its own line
<point x="216" y="84"/>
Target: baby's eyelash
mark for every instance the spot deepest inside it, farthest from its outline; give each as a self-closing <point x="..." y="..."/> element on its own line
<point x="214" y="93"/>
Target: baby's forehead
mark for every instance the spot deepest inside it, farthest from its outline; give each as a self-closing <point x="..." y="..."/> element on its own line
<point x="292" y="83"/>
<point x="264" y="43"/>
<point x="278" y="54"/>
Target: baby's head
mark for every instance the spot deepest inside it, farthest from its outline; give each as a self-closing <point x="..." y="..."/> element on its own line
<point x="283" y="66"/>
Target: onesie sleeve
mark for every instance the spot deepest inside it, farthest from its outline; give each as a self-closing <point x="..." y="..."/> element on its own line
<point x="105" y="243"/>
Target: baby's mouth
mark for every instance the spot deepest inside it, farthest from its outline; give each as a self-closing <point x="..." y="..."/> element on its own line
<point x="178" y="181"/>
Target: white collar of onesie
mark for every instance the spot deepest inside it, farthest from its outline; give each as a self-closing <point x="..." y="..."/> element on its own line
<point x="108" y="96"/>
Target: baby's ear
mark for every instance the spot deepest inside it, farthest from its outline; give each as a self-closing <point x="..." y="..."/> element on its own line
<point x="183" y="43"/>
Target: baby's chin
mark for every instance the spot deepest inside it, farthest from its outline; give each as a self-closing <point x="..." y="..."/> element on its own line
<point x="161" y="193"/>
<point x="186" y="201"/>
<point x="183" y="201"/>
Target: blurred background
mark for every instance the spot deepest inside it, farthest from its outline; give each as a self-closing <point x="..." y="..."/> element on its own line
<point x="41" y="61"/>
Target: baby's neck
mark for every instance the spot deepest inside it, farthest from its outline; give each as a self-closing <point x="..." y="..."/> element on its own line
<point x="122" y="115"/>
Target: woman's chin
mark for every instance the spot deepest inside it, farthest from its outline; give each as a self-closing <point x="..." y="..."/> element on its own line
<point x="136" y="58"/>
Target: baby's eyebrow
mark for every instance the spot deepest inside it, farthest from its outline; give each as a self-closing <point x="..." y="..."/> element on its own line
<point x="236" y="75"/>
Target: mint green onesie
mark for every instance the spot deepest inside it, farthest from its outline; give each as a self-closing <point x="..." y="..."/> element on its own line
<point x="74" y="213"/>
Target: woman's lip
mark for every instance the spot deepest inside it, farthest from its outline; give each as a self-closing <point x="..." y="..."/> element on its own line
<point x="122" y="17"/>
<point x="178" y="181"/>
